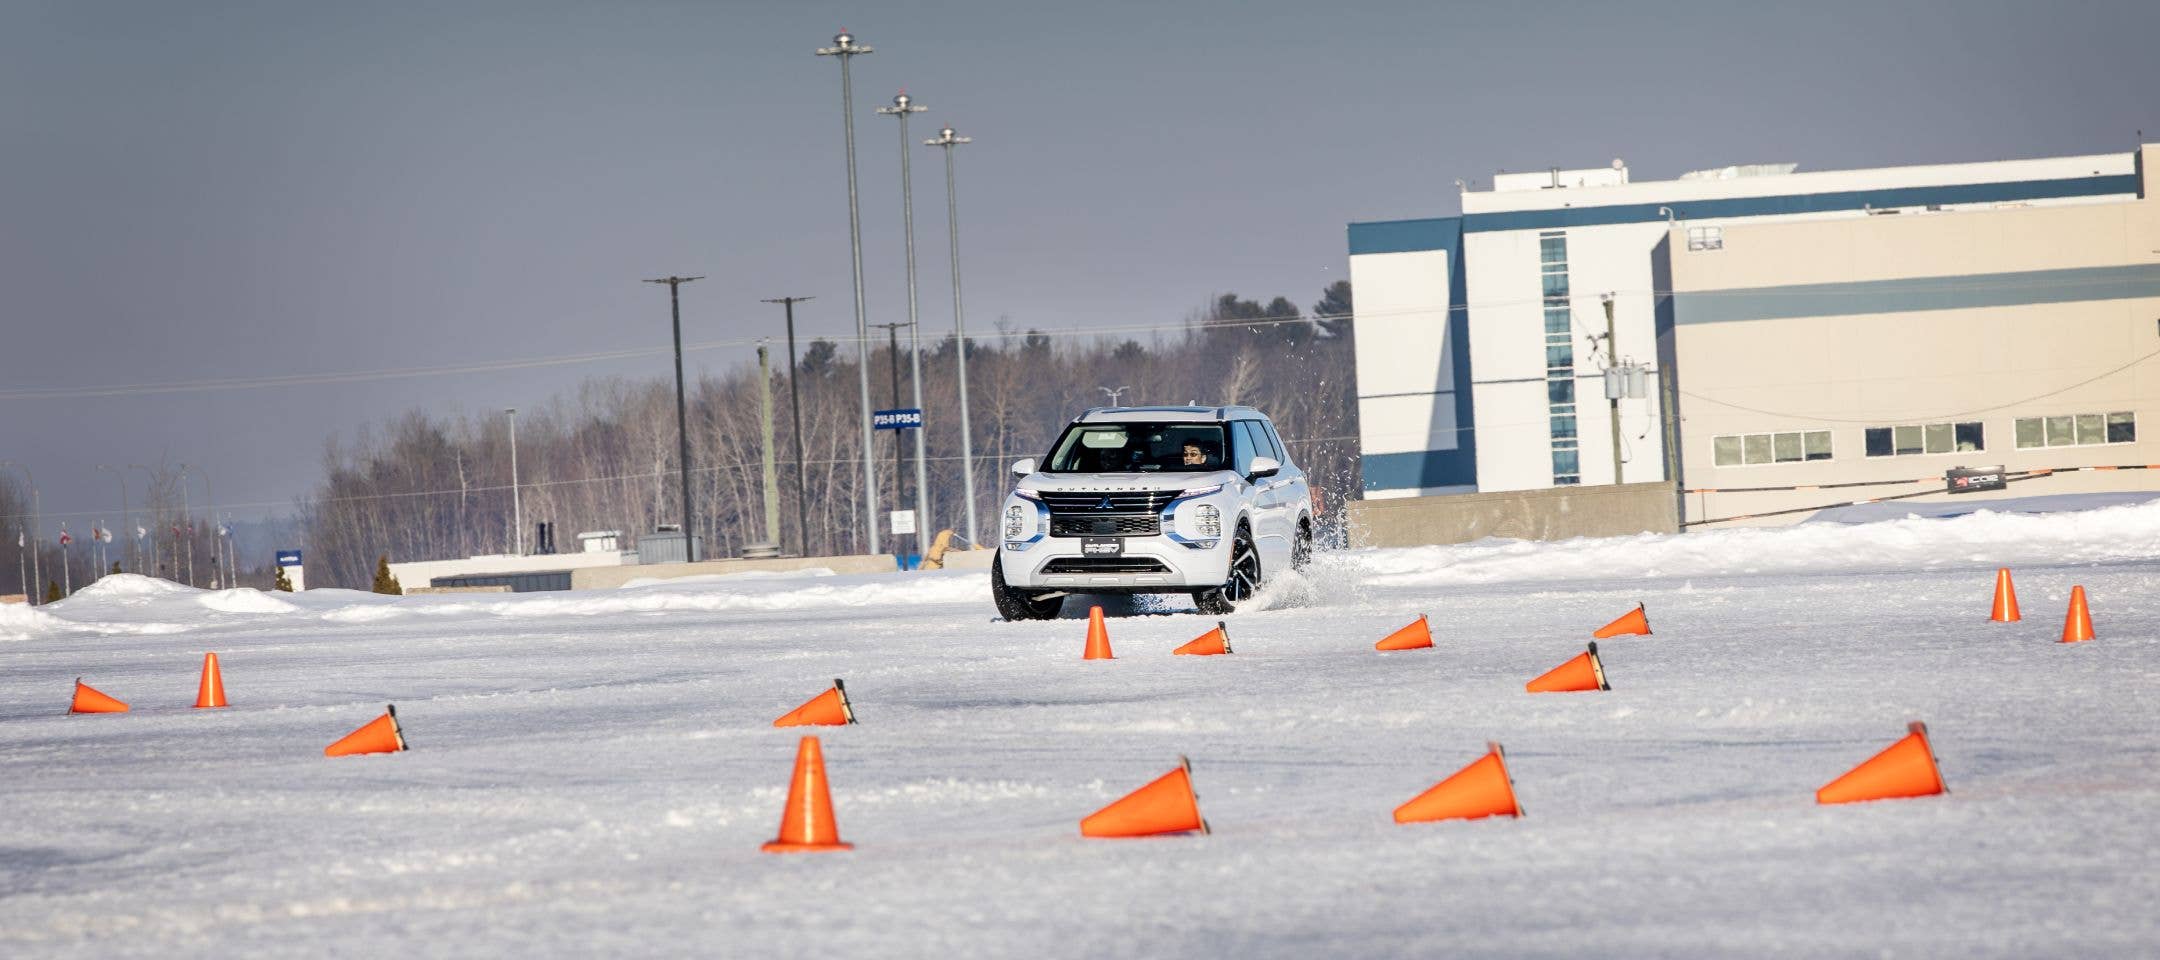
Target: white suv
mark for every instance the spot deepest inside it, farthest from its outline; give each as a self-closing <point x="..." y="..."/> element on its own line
<point x="1198" y="500"/>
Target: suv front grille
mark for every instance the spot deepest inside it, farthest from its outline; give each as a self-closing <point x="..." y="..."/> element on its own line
<point x="1105" y="526"/>
<point x="1131" y="501"/>
<point x="1105" y="565"/>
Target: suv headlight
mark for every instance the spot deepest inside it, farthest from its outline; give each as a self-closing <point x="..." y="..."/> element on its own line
<point x="1015" y="522"/>
<point x="1209" y="520"/>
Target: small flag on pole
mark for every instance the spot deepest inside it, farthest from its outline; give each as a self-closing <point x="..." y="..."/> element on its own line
<point x="65" y="539"/>
<point x="140" y="532"/>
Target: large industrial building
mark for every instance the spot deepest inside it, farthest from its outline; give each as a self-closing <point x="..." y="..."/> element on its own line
<point x="1805" y="328"/>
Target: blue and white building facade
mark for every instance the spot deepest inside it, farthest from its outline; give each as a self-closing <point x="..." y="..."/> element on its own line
<point x="1481" y="349"/>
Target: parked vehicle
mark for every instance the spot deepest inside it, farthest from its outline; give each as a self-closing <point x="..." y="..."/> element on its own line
<point x="1152" y="500"/>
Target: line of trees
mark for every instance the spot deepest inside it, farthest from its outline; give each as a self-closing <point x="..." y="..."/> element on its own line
<point x="423" y="486"/>
<point x="171" y="531"/>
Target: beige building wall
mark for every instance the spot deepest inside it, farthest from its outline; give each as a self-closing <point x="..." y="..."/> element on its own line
<point x="1982" y="316"/>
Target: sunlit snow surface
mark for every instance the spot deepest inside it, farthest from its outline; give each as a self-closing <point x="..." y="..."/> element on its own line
<point x="592" y="773"/>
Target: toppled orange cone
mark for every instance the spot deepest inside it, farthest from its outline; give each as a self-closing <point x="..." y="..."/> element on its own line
<point x="1479" y="790"/>
<point x="828" y="709"/>
<point x="2006" y="608"/>
<point x="1416" y="636"/>
<point x="1098" y="640"/>
<point x="1633" y="621"/>
<point x="380" y="735"/>
<point x="807" y="826"/>
<point x="1906" y="769"/>
<point x="212" y="691"/>
<point x="1584" y="672"/>
<point x="2078" y="625"/>
<point x="89" y="699"/>
<point x="1211" y="643"/>
<point x="1168" y="805"/>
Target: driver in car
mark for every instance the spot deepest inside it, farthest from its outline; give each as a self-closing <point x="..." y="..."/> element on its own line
<point x="1197" y="454"/>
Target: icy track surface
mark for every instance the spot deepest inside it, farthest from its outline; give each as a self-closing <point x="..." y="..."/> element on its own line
<point x="592" y="773"/>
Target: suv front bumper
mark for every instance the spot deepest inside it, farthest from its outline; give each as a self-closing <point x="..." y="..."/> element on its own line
<point x="1155" y="564"/>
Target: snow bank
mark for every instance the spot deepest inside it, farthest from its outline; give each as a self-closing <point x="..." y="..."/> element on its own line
<point x="713" y="578"/>
<point x="877" y="590"/>
<point x="20" y="621"/>
<point x="1913" y="543"/>
<point x="244" y="600"/>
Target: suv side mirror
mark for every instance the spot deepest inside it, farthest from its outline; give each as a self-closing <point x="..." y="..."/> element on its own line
<point x="1023" y="466"/>
<point x="1264" y="467"/>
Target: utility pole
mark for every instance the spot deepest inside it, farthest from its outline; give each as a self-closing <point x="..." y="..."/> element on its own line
<point x="37" y="533"/>
<point x="187" y="524"/>
<point x="901" y="107"/>
<point x="948" y="141"/>
<point x="802" y="496"/>
<point x="765" y="434"/>
<point x="210" y="508"/>
<point x="846" y="49"/>
<point x="682" y="417"/>
<point x="124" y="524"/>
<point x="517" y="508"/>
<point x="1668" y="397"/>
<point x="899" y="449"/>
<point x="1612" y="397"/>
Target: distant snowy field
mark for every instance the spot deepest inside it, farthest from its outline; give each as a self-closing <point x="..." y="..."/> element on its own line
<point x="592" y="773"/>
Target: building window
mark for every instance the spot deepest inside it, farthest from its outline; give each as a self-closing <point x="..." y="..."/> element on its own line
<point x="1566" y="466"/>
<point x="1913" y="439"/>
<point x="1559" y="358"/>
<point x="2077" y="430"/>
<point x="1748" y="449"/>
<point x="1705" y="238"/>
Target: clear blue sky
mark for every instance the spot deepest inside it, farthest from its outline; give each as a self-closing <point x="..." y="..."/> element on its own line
<point x="228" y="189"/>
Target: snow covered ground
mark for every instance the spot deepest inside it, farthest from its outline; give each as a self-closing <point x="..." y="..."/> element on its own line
<point x="592" y="773"/>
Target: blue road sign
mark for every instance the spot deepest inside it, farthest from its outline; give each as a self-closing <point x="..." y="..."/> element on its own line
<point x="905" y="419"/>
<point x="288" y="558"/>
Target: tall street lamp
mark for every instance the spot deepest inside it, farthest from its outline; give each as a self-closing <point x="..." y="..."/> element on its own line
<point x="845" y="48"/>
<point x="948" y="141"/>
<point x="902" y="105"/>
<point x="802" y="496"/>
<point x="124" y="524"/>
<point x="682" y="418"/>
<point x="517" y="506"/>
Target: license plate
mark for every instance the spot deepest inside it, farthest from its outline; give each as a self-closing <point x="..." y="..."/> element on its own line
<point x="1102" y="547"/>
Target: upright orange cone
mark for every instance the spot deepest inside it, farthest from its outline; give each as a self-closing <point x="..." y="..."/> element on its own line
<point x="1479" y="790"/>
<point x="1632" y="621"/>
<point x="1167" y="805"/>
<point x="1098" y="642"/>
<point x="807" y="826"/>
<point x="380" y="735"/>
<point x="2078" y="625"/>
<point x="828" y="709"/>
<point x="1208" y="644"/>
<point x="2006" y="610"/>
<point x="212" y="691"/>
<point x="1585" y="672"/>
<point x="1416" y="636"/>
<point x="89" y="700"/>
<point x="1906" y="769"/>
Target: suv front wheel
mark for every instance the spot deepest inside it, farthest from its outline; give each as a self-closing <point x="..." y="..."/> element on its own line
<point x="1017" y="604"/>
<point x="1244" y="580"/>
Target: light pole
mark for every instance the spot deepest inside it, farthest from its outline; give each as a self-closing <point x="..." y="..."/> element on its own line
<point x="899" y="446"/>
<point x="37" y="533"/>
<point x="517" y="507"/>
<point x="802" y="496"/>
<point x="902" y="105"/>
<point x="1113" y="393"/>
<point x="845" y="48"/>
<point x="211" y="508"/>
<point x="948" y="141"/>
<point x="682" y="419"/>
<point x="149" y="480"/>
<point x="187" y="523"/>
<point x="124" y="524"/>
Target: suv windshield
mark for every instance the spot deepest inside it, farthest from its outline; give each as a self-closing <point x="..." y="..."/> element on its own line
<point x="1138" y="448"/>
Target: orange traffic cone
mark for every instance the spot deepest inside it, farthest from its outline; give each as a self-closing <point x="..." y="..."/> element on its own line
<point x="828" y="709"/>
<point x="1168" y="805"/>
<point x="1906" y="769"/>
<point x="212" y="691"/>
<point x="380" y="735"/>
<point x="1415" y="636"/>
<point x="1479" y="790"/>
<point x="2006" y="610"/>
<point x="1585" y="672"/>
<point x="1098" y="642"/>
<point x="89" y="700"/>
<point x="1632" y="621"/>
<point x="807" y="826"/>
<point x="2078" y="625"/>
<point x="1208" y="644"/>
